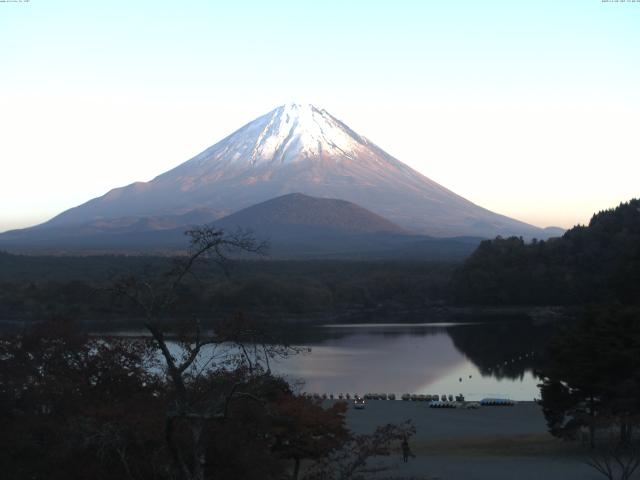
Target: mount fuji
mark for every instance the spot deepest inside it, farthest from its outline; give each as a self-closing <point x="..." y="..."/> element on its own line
<point x="292" y="149"/>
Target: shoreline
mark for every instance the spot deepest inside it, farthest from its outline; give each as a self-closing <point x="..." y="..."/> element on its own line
<point x="381" y="314"/>
<point x="497" y="443"/>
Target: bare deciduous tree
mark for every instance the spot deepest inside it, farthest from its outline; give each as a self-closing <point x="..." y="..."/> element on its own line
<point x="614" y="457"/>
<point x="247" y="345"/>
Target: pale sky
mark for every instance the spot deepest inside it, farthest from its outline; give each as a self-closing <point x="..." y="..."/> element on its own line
<point x="528" y="108"/>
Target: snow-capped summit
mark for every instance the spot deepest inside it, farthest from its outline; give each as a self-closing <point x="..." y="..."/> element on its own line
<point x="296" y="131"/>
<point x="288" y="134"/>
<point x="299" y="148"/>
<point x="290" y="144"/>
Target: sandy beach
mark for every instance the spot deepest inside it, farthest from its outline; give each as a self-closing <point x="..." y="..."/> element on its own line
<point x="497" y="443"/>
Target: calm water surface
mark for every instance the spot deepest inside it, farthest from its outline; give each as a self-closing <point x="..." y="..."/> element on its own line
<point x="477" y="360"/>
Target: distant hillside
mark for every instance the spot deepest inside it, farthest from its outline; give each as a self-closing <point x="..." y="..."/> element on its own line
<point x="301" y="226"/>
<point x="120" y="234"/>
<point x="296" y="213"/>
<point x="299" y="148"/>
<point x="294" y="225"/>
<point x="595" y="263"/>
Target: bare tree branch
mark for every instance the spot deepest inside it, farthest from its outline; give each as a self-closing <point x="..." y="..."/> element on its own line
<point x="154" y="299"/>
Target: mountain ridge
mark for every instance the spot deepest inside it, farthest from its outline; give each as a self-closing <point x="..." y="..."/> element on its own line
<point x="299" y="210"/>
<point x="298" y="148"/>
<point x="295" y="226"/>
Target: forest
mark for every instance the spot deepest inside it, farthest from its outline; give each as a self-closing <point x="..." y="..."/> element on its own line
<point x="596" y="263"/>
<point x="108" y="407"/>
<point x="81" y="288"/>
<point x="590" y="387"/>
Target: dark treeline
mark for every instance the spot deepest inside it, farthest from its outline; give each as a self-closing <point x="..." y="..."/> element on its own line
<point x="591" y="382"/>
<point x="504" y="349"/>
<point x="203" y="406"/>
<point x="598" y="263"/>
<point x="75" y="407"/>
<point x="80" y="287"/>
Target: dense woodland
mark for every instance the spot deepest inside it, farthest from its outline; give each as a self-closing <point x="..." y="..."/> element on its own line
<point x="590" y="382"/>
<point x="75" y="406"/>
<point x="590" y="387"/>
<point x="597" y="263"/>
<point x="34" y="288"/>
<point x="111" y="408"/>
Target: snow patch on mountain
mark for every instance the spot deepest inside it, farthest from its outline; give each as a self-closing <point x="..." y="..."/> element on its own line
<point x="300" y="148"/>
<point x="286" y="135"/>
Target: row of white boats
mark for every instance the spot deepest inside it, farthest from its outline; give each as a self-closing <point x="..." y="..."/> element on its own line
<point x="435" y="401"/>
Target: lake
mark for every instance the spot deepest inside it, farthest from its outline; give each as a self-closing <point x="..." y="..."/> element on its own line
<point x="477" y="359"/>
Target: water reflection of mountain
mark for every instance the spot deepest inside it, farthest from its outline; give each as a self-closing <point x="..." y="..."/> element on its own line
<point x="314" y="334"/>
<point x="503" y="350"/>
<point x="366" y="360"/>
<point x="419" y="358"/>
<point x="416" y="358"/>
